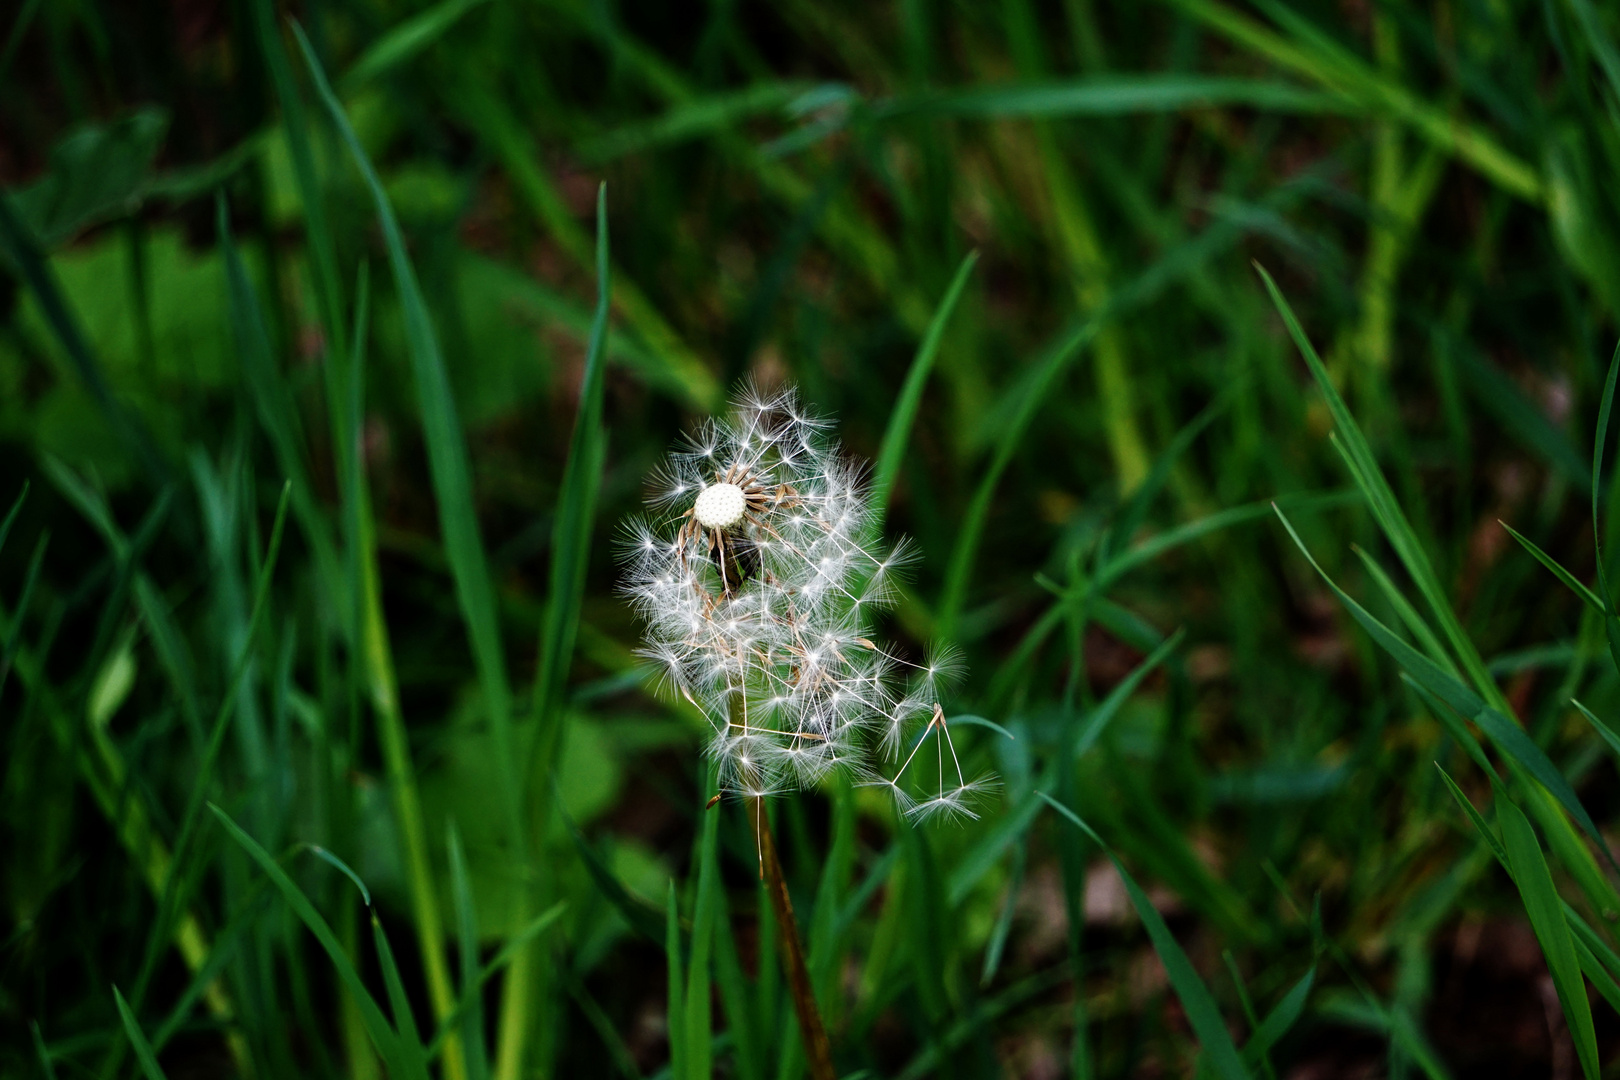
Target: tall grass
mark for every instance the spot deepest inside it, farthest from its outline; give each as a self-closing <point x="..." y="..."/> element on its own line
<point x="336" y="340"/>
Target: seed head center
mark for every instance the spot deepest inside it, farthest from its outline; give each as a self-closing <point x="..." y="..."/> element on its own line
<point x="719" y="506"/>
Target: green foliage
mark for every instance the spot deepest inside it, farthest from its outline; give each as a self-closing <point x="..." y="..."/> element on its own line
<point x="307" y="582"/>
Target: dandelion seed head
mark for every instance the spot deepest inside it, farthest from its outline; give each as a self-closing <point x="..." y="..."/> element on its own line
<point x="756" y="578"/>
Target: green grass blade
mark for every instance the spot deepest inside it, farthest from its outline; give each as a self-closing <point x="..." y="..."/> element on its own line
<point x="1279" y="1021"/>
<point x="1602" y="729"/>
<point x="1409" y="616"/>
<point x="1509" y="737"/>
<point x="1195" y="997"/>
<point x="892" y="451"/>
<point x="1085" y="735"/>
<point x="1590" y="597"/>
<point x="403" y="42"/>
<point x="1033" y="391"/>
<point x="11" y="515"/>
<point x="18" y="245"/>
<point x="472" y="1033"/>
<point x="1396" y="528"/>
<point x="696" y="1014"/>
<point x="137" y="1039"/>
<point x="46" y="1067"/>
<point x="410" y="1040"/>
<point x="323" y="249"/>
<point x="1474" y="816"/>
<point x="1611" y="618"/>
<point x="675" y="1012"/>
<point x="576" y="512"/>
<point x="1119" y="95"/>
<point x="1542" y="904"/>
<point x="377" y="1026"/>
<point x="447" y="460"/>
<point x="509" y="952"/>
<point x="1009" y="827"/>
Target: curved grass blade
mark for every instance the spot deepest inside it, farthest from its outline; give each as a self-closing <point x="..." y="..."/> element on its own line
<point x="410" y="1040"/>
<point x="1086" y="736"/>
<point x="1118" y="95"/>
<point x="41" y="1051"/>
<point x="403" y="42"/>
<point x="341" y="866"/>
<point x="11" y="515"/>
<point x="1195" y="997"/>
<point x="472" y="1034"/>
<point x="447" y="459"/>
<point x="137" y="1038"/>
<point x="1591" y="598"/>
<point x="519" y="941"/>
<point x="1509" y="737"/>
<point x="675" y="1011"/>
<point x="576" y="512"/>
<point x="1611" y="619"/>
<point x="1279" y="1021"/>
<point x="1542" y="903"/>
<point x="382" y="1035"/>
<point x="893" y="448"/>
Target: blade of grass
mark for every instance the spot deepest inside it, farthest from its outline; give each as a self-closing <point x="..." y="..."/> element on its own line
<point x="1611" y="618"/>
<point x="19" y="245"/>
<point x="570" y="557"/>
<point x="410" y="1040"/>
<point x="1343" y="73"/>
<point x="1509" y="737"/>
<point x="1590" y="597"/>
<point x="470" y="995"/>
<point x="452" y="486"/>
<point x="1542" y="904"/>
<point x="892" y="450"/>
<point x="405" y="40"/>
<point x="1195" y="997"/>
<point x="382" y="1034"/>
<point x="137" y="1039"/>
<point x="675" y="1010"/>
<point x="1034" y="391"/>
<point x="472" y="1034"/>
<point x="1398" y="531"/>
<point x="11" y="515"/>
<point x="1279" y="1021"/>
<point x="695" y="1001"/>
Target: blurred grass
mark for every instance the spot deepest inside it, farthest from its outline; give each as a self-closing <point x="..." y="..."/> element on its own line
<point x="331" y="551"/>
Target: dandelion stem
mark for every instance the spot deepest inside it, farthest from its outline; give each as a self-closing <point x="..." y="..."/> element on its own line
<point x="817" y="1050"/>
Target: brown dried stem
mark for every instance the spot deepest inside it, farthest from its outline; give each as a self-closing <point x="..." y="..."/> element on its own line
<point x="817" y="1050"/>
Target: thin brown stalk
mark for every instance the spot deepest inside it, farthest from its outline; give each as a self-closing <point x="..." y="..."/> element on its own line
<point x="817" y="1050"/>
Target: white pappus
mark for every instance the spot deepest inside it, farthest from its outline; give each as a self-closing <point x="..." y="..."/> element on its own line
<point x="757" y="579"/>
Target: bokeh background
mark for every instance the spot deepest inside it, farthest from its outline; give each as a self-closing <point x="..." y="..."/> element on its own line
<point x="314" y="477"/>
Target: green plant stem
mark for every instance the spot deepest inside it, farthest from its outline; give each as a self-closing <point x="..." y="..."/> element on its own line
<point x="817" y="1050"/>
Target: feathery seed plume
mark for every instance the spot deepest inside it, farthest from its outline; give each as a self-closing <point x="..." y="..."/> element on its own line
<point x="757" y="581"/>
